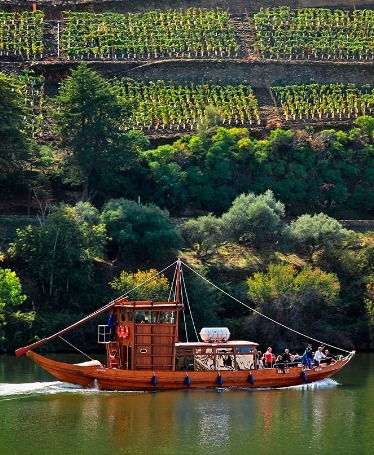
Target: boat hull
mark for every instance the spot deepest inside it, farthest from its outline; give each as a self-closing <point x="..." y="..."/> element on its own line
<point x="145" y="380"/>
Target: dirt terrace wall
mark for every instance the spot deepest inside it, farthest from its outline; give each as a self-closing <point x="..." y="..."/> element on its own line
<point x="258" y="74"/>
<point x="53" y="8"/>
<point x="358" y="225"/>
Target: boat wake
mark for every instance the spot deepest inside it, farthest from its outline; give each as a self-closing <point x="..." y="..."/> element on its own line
<point x="12" y="391"/>
<point x="9" y="390"/>
<point x="327" y="383"/>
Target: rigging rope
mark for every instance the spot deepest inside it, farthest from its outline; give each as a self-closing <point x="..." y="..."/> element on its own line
<point x="66" y="341"/>
<point x="261" y="314"/>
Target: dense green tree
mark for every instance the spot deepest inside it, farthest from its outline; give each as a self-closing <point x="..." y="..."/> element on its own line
<point x="60" y="253"/>
<point x="306" y="301"/>
<point x="254" y="220"/>
<point x="168" y="176"/>
<point x="317" y="234"/>
<point x="203" y="234"/>
<point x="139" y="231"/>
<point x="366" y="123"/>
<point x="89" y="117"/>
<point x="11" y="298"/>
<point x="15" y="146"/>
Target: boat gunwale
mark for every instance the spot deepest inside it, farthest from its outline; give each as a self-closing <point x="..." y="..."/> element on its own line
<point x="141" y="380"/>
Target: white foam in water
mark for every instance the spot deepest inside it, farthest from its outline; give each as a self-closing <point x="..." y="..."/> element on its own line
<point x="322" y="384"/>
<point x="9" y="391"/>
<point x="25" y="388"/>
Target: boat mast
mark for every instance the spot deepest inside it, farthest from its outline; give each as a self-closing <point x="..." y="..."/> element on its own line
<point x="178" y="281"/>
<point x="178" y="295"/>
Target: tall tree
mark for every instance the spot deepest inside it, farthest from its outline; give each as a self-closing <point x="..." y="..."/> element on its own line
<point x="90" y="118"/>
<point x="15" y="146"/>
<point x="142" y="231"/>
<point x="254" y="220"/>
<point x="317" y="233"/>
<point x="60" y="253"/>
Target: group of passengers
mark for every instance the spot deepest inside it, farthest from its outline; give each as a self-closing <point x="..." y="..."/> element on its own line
<point x="288" y="359"/>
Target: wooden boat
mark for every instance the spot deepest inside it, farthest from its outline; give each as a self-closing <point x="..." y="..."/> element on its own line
<point x="143" y="353"/>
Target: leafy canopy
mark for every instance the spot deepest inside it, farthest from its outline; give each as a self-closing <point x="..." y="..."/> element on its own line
<point x="141" y="231"/>
<point x="11" y="297"/>
<point x="254" y="220"/>
<point x="144" y="285"/>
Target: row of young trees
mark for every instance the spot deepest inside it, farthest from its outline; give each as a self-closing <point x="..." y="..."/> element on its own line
<point x="166" y="105"/>
<point x="180" y="107"/>
<point x="311" y="101"/>
<point x="190" y="33"/>
<point x="304" y="33"/>
<point x="314" y="33"/>
<point x="21" y="34"/>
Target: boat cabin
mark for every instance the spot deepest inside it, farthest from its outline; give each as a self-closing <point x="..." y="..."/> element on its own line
<point x="145" y="337"/>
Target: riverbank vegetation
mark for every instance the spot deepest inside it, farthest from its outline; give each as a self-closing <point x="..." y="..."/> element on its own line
<point x="101" y="200"/>
<point x="110" y="178"/>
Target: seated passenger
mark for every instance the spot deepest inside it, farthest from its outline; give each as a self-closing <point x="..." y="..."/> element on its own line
<point x="318" y="356"/>
<point x="329" y="358"/>
<point x="295" y="357"/>
<point x="260" y="360"/>
<point x="286" y="357"/>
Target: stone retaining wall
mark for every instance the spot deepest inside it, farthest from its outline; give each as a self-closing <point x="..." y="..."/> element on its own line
<point x="358" y="225"/>
<point x="53" y="8"/>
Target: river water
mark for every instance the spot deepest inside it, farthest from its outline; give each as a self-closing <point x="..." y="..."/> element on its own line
<point x="40" y="416"/>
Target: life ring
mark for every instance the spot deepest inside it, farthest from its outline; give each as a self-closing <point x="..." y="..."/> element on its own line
<point x="123" y="331"/>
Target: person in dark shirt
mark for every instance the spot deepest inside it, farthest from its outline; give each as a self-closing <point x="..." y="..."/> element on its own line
<point x="286" y="357"/>
<point x="329" y="358"/>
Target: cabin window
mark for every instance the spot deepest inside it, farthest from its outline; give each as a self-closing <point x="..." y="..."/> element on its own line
<point x="123" y="315"/>
<point x="139" y="316"/>
<point x="245" y="358"/>
<point x="204" y="359"/>
<point x="225" y="358"/>
<point x="168" y="317"/>
<point x="184" y="359"/>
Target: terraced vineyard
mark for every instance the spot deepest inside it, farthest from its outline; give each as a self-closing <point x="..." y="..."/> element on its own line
<point x="191" y="33"/>
<point x="183" y="107"/>
<point x="315" y="33"/>
<point x="276" y="66"/>
<point x="324" y="101"/>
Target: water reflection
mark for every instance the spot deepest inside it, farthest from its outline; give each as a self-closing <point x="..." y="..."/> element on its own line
<point x="330" y="417"/>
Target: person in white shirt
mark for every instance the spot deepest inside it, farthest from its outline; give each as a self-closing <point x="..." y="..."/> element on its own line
<point x="318" y="356"/>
